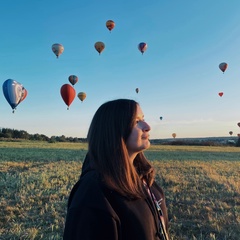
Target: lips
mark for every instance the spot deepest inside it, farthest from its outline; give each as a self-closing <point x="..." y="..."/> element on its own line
<point x="146" y="137"/>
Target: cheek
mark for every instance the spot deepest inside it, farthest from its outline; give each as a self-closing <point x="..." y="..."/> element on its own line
<point x="134" y="138"/>
<point x="134" y="135"/>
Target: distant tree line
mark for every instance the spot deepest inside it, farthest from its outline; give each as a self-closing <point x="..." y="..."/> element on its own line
<point x="197" y="142"/>
<point x="8" y="133"/>
<point x="238" y="142"/>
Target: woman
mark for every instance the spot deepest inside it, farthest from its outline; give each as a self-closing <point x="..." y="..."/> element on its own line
<point x="116" y="197"/>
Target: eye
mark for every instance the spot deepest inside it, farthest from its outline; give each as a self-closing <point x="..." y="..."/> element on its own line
<point x="139" y="121"/>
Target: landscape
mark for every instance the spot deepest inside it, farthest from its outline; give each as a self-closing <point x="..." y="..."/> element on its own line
<point x="60" y="60"/>
<point x="201" y="184"/>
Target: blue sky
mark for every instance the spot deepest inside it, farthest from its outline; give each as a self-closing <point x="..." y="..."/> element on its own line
<point x="178" y="76"/>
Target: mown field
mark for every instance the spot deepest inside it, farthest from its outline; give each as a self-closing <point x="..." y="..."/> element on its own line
<point x="201" y="186"/>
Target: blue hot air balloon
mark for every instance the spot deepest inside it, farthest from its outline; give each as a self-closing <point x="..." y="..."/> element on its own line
<point x="14" y="92"/>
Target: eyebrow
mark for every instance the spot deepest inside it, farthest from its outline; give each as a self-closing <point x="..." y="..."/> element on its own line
<point x="140" y="116"/>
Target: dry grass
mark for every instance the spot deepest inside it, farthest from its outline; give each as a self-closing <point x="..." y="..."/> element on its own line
<point x="203" y="198"/>
<point x="201" y="186"/>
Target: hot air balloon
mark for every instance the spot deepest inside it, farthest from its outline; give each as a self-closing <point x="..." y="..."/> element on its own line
<point x="13" y="92"/>
<point x="68" y="94"/>
<point x="142" y="47"/>
<point x="174" y="135"/>
<point x="137" y="90"/>
<point x="99" y="46"/>
<point x="220" y="94"/>
<point x="57" y="49"/>
<point x="231" y="133"/>
<point x="238" y="124"/>
<point x="223" y="66"/>
<point x="24" y="95"/>
<point x="82" y="96"/>
<point x="161" y="118"/>
<point x="110" y="24"/>
<point x="238" y="135"/>
<point x="73" y="79"/>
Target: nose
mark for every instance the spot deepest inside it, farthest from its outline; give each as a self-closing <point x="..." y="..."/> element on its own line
<point x="146" y="127"/>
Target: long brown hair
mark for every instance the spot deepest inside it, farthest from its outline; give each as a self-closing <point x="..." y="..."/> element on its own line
<point x="107" y="151"/>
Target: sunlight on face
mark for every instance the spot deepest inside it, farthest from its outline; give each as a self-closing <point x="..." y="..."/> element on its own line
<point x="139" y="137"/>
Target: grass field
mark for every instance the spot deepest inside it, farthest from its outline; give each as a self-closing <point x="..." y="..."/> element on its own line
<point x="201" y="186"/>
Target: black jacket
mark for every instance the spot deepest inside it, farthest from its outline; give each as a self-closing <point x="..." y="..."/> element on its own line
<point x="96" y="212"/>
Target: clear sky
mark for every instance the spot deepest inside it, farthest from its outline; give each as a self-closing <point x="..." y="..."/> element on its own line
<point x="178" y="76"/>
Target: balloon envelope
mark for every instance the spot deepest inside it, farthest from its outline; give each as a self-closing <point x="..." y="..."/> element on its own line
<point x="223" y="66"/>
<point x="161" y="118"/>
<point x="57" y="49"/>
<point x="238" y="124"/>
<point x="73" y="79"/>
<point x="24" y="95"/>
<point x="68" y="94"/>
<point x="137" y="90"/>
<point x="231" y="133"/>
<point x="13" y="92"/>
<point x="110" y="24"/>
<point x="220" y="94"/>
<point x="99" y="46"/>
<point x="82" y="95"/>
<point x="174" y="135"/>
<point x="142" y="47"/>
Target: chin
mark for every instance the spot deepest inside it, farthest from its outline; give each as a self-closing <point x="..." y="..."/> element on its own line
<point x="146" y="145"/>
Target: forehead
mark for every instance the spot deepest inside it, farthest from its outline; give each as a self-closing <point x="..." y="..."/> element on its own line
<point x="139" y="112"/>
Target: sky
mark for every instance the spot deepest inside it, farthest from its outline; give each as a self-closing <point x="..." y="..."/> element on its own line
<point x="178" y="76"/>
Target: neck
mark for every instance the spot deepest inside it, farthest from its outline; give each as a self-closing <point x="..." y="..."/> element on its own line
<point x="132" y="156"/>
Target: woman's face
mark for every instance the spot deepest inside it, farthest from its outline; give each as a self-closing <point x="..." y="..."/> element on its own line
<point x="138" y="139"/>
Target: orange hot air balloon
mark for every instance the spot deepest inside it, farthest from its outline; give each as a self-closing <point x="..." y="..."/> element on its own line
<point x="58" y="49"/>
<point x="68" y="94"/>
<point x="174" y="135"/>
<point x="231" y="133"/>
<point x="110" y="24"/>
<point x="137" y="90"/>
<point x="73" y="79"/>
<point x="99" y="46"/>
<point x="220" y="94"/>
<point x="142" y="47"/>
<point x="82" y="96"/>
<point x="238" y="124"/>
<point x="223" y="66"/>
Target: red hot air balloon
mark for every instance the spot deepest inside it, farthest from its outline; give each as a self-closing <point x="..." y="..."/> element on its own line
<point x="68" y="94"/>
<point x="223" y="66"/>
<point x="142" y="47"/>
<point x="220" y="94"/>
<point x="110" y="24"/>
